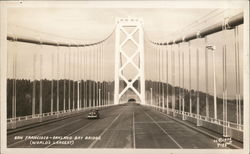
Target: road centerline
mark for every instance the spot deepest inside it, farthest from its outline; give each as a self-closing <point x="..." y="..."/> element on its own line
<point x="134" y="145"/>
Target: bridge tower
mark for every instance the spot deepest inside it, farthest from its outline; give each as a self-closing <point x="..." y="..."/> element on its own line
<point x="136" y="26"/>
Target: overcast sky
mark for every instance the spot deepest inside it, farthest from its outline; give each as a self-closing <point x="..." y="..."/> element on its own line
<point x="88" y="25"/>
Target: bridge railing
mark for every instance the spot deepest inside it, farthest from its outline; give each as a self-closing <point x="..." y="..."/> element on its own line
<point x="30" y="119"/>
<point x="230" y="125"/>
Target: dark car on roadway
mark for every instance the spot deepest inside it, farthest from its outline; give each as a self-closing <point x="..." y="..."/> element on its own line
<point x="94" y="114"/>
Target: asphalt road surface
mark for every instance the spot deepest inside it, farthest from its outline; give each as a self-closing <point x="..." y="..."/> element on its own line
<point x="123" y="126"/>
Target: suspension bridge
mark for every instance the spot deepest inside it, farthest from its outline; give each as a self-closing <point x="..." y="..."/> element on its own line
<point x="172" y="94"/>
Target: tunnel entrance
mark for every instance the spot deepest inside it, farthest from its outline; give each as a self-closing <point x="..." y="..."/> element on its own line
<point x="131" y="100"/>
<point x="129" y="97"/>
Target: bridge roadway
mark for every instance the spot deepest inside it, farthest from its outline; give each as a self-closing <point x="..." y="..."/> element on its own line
<point x="123" y="126"/>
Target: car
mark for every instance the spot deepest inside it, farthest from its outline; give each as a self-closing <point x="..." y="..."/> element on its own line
<point x="94" y="114"/>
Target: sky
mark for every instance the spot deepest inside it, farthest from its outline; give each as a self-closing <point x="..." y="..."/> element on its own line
<point x="88" y="25"/>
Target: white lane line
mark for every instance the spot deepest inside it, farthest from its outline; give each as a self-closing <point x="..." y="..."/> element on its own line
<point x="197" y="129"/>
<point x="148" y="122"/>
<point x="72" y="133"/>
<point x="42" y="133"/>
<point x="164" y="131"/>
<point x="104" y="131"/>
<point x="134" y="131"/>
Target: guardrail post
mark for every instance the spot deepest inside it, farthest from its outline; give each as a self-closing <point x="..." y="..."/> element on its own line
<point x="108" y="98"/>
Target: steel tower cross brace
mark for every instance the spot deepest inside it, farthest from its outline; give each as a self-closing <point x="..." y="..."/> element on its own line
<point x="120" y="27"/>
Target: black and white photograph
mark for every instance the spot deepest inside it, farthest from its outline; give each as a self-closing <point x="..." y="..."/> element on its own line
<point x="123" y="76"/>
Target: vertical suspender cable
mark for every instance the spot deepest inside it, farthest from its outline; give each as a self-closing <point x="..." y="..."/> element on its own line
<point x="96" y="76"/>
<point x="162" y="70"/>
<point x="224" y="88"/>
<point x="80" y="77"/>
<point x="93" y="77"/>
<point x="57" y="85"/>
<point x="151" y="78"/>
<point x="93" y="74"/>
<point x="173" y="79"/>
<point x="52" y="83"/>
<point x="147" y="81"/>
<point x="34" y="85"/>
<point x="64" y="82"/>
<point x="98" y="72"/>
<point x="86" y="59"/>
<point x="237" y="76"/>
<point x="146" y="75"/>
<point x="73" y="79"/>
<point x="14" y="85"/>
<point x="77" y="79"/>
<point x="215" y="97"/>
<point x="101" y="77"/>
<point x="85" y="76"/>
<point x="238" y="93"/>
<point x="82" y="71"/>
<point x="159" y="75"/>
<point x="90" y="77"/>
<point x="155" y="85"/>
<point x="153" y="75"/>
<point x="41" y="88"/>
<point x="69" y="78"/>
<point x="190" y="92"/>
<point x="179" y="74"/>
<point x="156" y="75"/>
<point x="206" y="77"/>
<point x="225" y="133"/>
<point x="183" y="90"/>
<point x="198" y="89"/>
<point x="167" y="79"/>
<point x="104" y="78"/>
